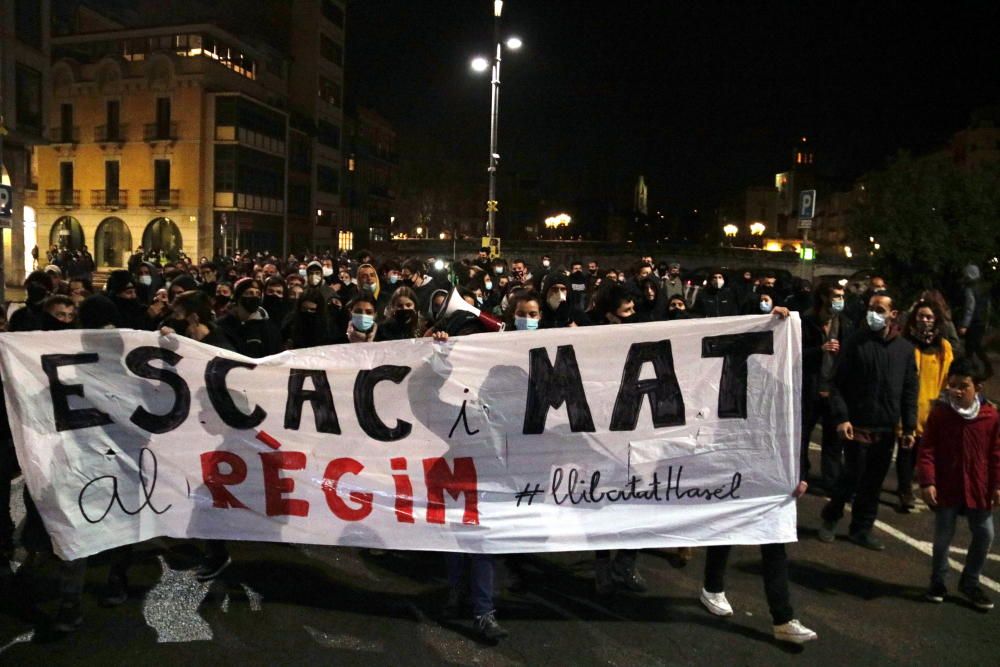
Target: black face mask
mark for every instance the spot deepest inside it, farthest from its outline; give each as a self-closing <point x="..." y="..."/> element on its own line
<point x="408" y="282"/>
<point x="627" y="320"/>
<point x="405" y="318"/>
<point x="50" y="323"/>
<point x="272" y="301"/>
<point x="222" y="300"/>
<point x="250" y="303"/>
<point x="36" y="292"/>
<point x="307" y="319"/>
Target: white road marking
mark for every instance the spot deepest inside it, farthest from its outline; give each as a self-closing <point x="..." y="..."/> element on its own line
<point x="20" y="639"/>
<point x="927" y="547"/>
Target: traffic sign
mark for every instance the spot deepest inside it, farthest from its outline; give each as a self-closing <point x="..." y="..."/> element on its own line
<point x="805" y="224"/>
<point x="491" y="206"/>
<point x="6" y="201"/>
<point x="807" y="204"/>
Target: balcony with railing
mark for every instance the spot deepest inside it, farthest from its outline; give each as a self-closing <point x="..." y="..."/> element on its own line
<point x="111" y="134"/>
<point x="159" y="131"/>
<point x="109" y="200"/>
<point x="64" y="134"/>
<point x="161" y="200"/>
<point x="65" y="199"/>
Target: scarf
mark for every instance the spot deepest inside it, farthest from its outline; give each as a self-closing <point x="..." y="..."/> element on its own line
<point x="968" y="413"/>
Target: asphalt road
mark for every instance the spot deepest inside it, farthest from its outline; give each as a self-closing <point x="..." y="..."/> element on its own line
<point x="283" y="604"/>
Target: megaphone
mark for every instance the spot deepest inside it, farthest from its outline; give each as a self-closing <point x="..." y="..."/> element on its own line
<point x="455" y="303"/>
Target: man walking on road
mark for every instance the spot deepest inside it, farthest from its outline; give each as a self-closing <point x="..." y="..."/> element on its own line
<point x="874" y="389"/>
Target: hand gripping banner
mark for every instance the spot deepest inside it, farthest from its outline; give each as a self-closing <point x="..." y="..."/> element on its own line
<point x="646" y="435"/>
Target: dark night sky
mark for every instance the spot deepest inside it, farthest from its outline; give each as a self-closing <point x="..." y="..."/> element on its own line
<point x="702" y="97"/>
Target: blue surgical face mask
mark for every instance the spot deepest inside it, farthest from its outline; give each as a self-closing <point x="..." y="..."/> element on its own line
<point x="393" y="279"/>
<point x="362" y="322"/>
<point x="525" y="323"/>
<point x="488" y="285"/>
<point x="766" y="306"/>
<point x="876" y="321"/>
<point x="837" y="306"/>
<point x="498" y="270"/>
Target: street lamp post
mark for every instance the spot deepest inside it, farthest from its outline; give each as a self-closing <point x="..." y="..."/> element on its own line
<point x="480" y="64"/>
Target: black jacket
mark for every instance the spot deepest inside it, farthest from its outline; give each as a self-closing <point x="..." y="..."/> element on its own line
<point x="716" y="303"/>
<point x="256" y="338"/>
<point x="813" y="339"/>
<point x="876" y="382"/>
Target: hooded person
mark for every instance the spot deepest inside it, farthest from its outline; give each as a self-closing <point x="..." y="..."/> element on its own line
<point x="557" y="309"/>
<point x="368" y="281"/>
<point x="37" y="286"/>
<point x="120" y="289"/>
<point x="316" y="279"/>
<point x="248" y="326"/>
<point x="147" y="281"/>
<point x="651" y="306"/>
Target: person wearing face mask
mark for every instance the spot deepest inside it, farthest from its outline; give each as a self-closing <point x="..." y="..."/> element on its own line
<point x="651" y="306"/>
<point x="121" y="290"/>
<point x="147" y="281"/>
<point x="934" y="355"/>
<point x="613" y="304"/>
<point x="524" y="312"/>
<point x="253" y="333"/>
<point x="760" y="303"/>
<point x="875" y="388"/>
<point x="314" y="279"/>
<point x="209" y="273"/>
<point x="37" y="286"/>
<point x="274" y="301"/>
<point x="222" y="302"/>
<point x="557" y="311"/>
<point x="499" y="268"/>
<point x="677" y="309"/>
<point x="403" y="319"/>
<point x="310" y="325"/>
<point x="716" y="299"/>
<point x="368" y="282"/>
<point x="824" y="327"/>
<point x="363" y="327"/>
<point x="58" y="313"/>
<point x="391" y="275"/>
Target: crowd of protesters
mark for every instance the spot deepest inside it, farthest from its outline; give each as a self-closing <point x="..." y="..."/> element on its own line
<point x="879" y="377"/>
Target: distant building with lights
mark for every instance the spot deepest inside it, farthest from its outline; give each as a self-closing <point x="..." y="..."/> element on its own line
<point x="191" y="137"/>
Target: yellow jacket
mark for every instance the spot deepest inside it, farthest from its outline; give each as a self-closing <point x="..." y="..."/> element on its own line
<point x="932" y="375"/>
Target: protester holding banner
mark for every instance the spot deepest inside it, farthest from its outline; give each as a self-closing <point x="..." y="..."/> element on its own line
<point x="249" y="326"/>
<point x="775" y="572"/>
<point x="402" y="319"/>
<point x="363" y="326"/>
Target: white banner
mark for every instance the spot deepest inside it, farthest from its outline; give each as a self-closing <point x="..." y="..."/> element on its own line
<point x="645" y="435"/>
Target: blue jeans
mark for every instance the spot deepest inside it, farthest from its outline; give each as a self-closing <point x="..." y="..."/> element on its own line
<point x="981" y="525"/>
<point x="481" y="568"/>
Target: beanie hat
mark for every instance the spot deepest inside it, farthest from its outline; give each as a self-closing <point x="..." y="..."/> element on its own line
<point x="243" y="285"/>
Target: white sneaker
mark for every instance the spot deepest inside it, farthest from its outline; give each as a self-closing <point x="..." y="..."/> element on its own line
<point x="716" y="603"/>
<point x="794" y="632"/>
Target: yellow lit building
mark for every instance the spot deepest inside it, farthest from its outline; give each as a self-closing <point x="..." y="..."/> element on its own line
<point x="174" y="139"/>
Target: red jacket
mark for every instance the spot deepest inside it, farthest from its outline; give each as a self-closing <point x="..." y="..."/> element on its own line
<point x="961" y="457"/>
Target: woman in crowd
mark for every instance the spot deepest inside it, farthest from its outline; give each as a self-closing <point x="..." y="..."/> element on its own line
<point x="402" y="319"/>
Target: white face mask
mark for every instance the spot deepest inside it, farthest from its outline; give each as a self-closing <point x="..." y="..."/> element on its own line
<point x="315" y="279"/>
<point x="488" y="285"/>
<point x="876" y="321"/>
<point x="546" y="263"/>
<point x="146" y="280"/>
<point x="327" y="271"/>
<point x="718" y="283"/>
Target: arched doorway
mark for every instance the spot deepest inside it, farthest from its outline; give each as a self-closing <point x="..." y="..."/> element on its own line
<point x="67" y="234"/>
<point x="163" y="235"/>
<point x="112" y="242"/>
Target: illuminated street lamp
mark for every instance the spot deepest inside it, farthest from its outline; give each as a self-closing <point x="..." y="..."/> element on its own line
<point x="556" y="221"/>
<point x="757" y="229"/>
<point x="730" y="230"/>
<point x="419" y="231"/>
<point x="480" y="64"/>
